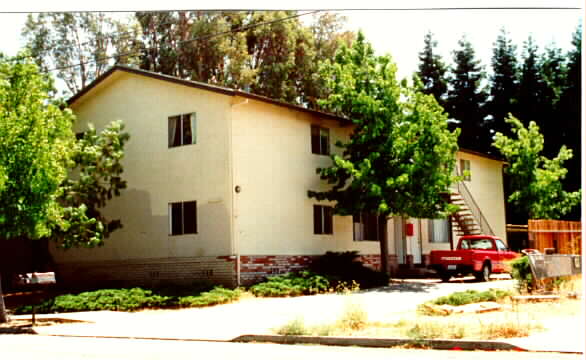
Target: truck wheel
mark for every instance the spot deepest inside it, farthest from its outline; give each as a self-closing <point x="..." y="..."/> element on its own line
<point x="484" y="274"/>
<point x="445" y="277"/>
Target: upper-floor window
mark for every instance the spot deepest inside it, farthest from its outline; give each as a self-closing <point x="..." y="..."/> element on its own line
<point x="182" y="130"/>
<point x="183" y="218"/>
<point x="465" y="167"/>
<point x="366" y="227"/>
<point x="322" y="219"/>
<point x="320" y="140"/>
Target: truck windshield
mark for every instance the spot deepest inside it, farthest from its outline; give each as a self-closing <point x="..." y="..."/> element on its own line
<point x="480" y="244"/>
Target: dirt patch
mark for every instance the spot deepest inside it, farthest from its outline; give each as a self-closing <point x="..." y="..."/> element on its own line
<point x="503" y="321"/>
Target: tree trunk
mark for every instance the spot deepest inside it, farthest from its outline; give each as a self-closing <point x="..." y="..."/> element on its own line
<point x="384" y="244"/>
<point x="3" y="315"/>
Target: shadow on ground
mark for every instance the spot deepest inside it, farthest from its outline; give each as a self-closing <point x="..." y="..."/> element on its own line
<point x="418" y="287"/>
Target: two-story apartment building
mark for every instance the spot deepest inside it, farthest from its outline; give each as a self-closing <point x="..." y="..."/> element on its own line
<point x="217" y="187"/>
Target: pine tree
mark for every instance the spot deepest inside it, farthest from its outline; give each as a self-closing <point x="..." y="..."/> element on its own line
<point x="432" y="71"/>
<point x="532" y="87"/>
<point x="553" y="71"/>
<point x="466" y="98"/>
<point x="570" y="113"/>
<point x="504" y="83"/>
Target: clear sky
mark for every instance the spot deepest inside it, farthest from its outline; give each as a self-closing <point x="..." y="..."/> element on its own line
<point x="398" y="32"/>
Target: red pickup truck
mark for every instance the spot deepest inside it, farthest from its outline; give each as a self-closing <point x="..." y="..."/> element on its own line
<point x="479" y="255"/>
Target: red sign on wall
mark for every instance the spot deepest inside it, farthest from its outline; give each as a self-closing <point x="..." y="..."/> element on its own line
<point x="409" y="229"/>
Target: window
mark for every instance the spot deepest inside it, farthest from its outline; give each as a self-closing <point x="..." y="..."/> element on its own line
<point x="182" y="130"/>
<point x="183" y="218"/>
<point x="439" y="230"/>
<point x="501" y="246"/>
<point x="320" y="140"/>
<point x="366" y="227"/>
<point x="322" y="219"/>
<point x="465" y="166"/>
<point x="480" y="244"/>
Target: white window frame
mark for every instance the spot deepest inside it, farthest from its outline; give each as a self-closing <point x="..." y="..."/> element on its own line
<point x="180" y="119"/>
<point x="322" y="149"/>
<point x="183" y="217"/>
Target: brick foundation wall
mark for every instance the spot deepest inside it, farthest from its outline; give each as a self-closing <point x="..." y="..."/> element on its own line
<point x="255" y="268"/>
<point x="149" y="272"/>
<point x="186" y="271"/>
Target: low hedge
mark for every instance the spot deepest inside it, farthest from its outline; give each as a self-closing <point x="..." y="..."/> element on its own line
<point x="292" y="284"/>
<point x="129" y="300"/>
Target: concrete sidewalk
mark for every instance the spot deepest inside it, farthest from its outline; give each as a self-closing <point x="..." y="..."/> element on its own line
<point x="259" y="316"/>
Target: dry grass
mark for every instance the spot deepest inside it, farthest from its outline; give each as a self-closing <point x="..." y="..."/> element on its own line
<point x="511" y="322"/>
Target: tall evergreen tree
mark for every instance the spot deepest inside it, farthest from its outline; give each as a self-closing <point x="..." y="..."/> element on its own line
<point x="570" y="113"/>
<point x="553" y="71"/>
<point x="466" y="98"/>
<point x="531" y="88"/>
<point x="432" y="71"/>
<point x="503" y="83"/>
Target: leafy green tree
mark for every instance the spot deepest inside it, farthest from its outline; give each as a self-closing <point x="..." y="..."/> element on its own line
<point x="64" y="40"/>
<point x="97" y="165"/>
<point x="504" y="82"/>
<point x="34" y="153"/>
<point x="400" y="156"/>
<point x="535" y="181"/>
<point x="37" y="151"/>
<point x="467" y="97"/>
<point x="432" y="70"/>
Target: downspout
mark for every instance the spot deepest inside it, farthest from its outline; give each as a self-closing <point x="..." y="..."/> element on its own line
<point x="235" y="244"/>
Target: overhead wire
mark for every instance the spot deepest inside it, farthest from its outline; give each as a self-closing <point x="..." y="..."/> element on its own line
<point x="197" y="38"/>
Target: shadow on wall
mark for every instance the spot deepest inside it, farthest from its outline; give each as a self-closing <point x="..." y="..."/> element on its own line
<point x="142" y="253"/>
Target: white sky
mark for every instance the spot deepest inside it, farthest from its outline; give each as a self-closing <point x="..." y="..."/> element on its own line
<point x="398" y="32"/>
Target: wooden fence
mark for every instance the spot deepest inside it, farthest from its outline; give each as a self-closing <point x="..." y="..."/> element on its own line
<point x="565" y="237"/>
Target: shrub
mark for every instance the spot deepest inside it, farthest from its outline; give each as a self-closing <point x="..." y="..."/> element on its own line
<point x="521" y="271"/>
<point x="128" y="300"/>
<point x="471" y="296"/>
<point x="292" y="284"/>
<point x="218" y="295"/>
<point x="344" y="267"/>
<point x="354" y="317"/>
<point x="294" y="327"/>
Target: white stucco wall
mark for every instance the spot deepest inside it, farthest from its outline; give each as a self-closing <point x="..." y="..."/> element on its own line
<point x="274" y="166"/>
<point x="486" y="187"/>
<point x="158" y="175"/>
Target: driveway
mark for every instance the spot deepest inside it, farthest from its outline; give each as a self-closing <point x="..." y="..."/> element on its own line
<point x="258" y="315"/>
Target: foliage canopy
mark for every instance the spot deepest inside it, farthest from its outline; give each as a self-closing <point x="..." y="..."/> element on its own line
<point x="536" y="187"/>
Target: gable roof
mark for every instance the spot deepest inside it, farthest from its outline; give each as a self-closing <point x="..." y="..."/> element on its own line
<point x="199" y="85"/>
<point x="224" y="91"/>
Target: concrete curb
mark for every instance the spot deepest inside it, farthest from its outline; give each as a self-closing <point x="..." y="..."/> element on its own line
<point x="377" y="342"/>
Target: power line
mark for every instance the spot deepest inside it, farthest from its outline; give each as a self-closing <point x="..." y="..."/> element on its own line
<point x="198" y="38"/>
<point x="129" y="33"/>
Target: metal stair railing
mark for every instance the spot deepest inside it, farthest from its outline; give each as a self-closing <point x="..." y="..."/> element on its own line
<point x="474" y="208"/>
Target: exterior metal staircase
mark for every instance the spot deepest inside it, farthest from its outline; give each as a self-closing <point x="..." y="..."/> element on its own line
<point x="468" y="220"/>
